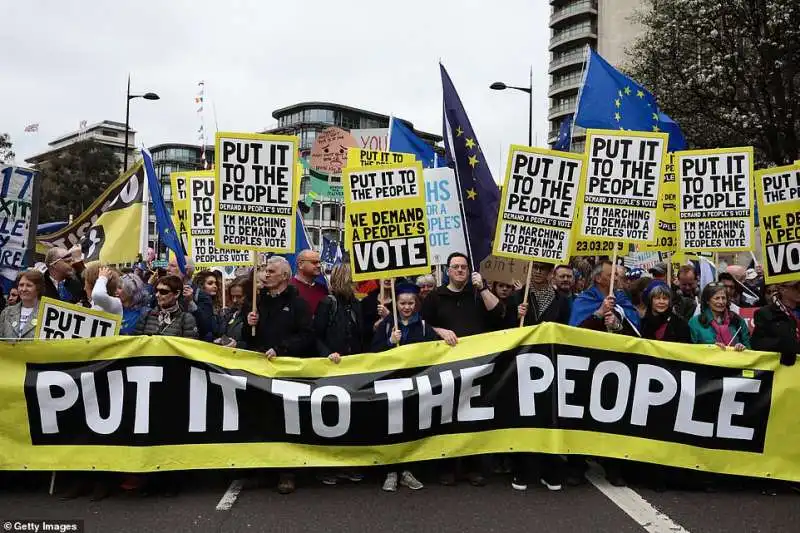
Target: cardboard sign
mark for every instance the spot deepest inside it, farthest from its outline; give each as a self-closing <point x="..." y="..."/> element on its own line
<point x="621" y="189"/>
<point x="540" y="199"/>
<point x="329" y="152"/>
<point x="445" y="223"/>
<point x="180" y="206"/>
<point x="504" y="270"/>
<point x="372" y="138"/>
<point x="357" y="157"/>
<point x="667" y="212"/>
<point x="256" y="191"/>
<point x="61" y="320"/>
<point x="202" y="224"/>
<point x="778" y="193"/>
<point x="716" y="200"/>
<point x="386" y="228"/>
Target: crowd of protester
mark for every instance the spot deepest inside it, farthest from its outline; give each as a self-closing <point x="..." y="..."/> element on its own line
<point x="298" y="315"/>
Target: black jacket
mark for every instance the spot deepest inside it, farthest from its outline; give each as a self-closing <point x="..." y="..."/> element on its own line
<point x="73" y="284"/>
<point x="284" y="324"/>
<point x="558" y="310"/>
<point x="416" y="331"/>
<point x="461" y="312"/>
<point x="234" y="320"/>
<point x="677" y="328"/>
<point x="209" y="322"/>
<point x="339" y="326"/>
<point x="775" y="331"/>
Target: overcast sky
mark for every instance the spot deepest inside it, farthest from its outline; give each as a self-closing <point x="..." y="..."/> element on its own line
<point x="66" y="61"/>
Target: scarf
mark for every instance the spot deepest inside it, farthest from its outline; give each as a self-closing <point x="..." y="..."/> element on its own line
<point x="542" y="298"/>
<point x="722" y="328"/>
<point x="654" y="326"/>
<point x="165" y="315"/>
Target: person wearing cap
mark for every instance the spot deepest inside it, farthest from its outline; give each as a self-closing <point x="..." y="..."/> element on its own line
<point x="660" y="322"/>
<point x="545" y="304"/>
<point x="777" y="325"/>
<point x="659" y="271"/>
<point x="60" y="280"/>
<point x="411" y="329"/>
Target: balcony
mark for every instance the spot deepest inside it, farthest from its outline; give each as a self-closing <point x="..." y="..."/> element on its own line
<point x="573" y="34"/>
<point x="565" y="85"/>
<point x="558" y="111"/>
<point x="570" y="10"/>
<point x="567" y="60"/>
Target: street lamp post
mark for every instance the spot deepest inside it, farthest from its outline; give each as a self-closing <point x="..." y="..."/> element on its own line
<point x="500" y="86"/>
<point x="146" y="96"/>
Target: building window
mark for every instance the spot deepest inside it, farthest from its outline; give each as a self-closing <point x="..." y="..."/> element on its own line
<point x="315" y="209"/>
<point x="109" y="133"/>
<point x="313" y="234"/>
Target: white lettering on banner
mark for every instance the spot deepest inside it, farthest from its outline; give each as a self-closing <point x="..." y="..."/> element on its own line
<point x="428" y="400"/>
<point x="623" y="376"/>
<point x="622" y="185"/>
<point x="343" y="407"/>
<point x="50" y="405"/>
<point x="394" y="389"/>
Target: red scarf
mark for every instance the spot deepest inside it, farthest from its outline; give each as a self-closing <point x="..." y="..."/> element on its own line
<point x="723" y="329"/>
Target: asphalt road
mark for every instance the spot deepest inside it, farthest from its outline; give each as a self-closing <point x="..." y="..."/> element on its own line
<point x="363" y="507"/>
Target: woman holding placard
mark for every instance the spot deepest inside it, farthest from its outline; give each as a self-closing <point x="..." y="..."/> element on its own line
<point x="716" y="323"/>
<point x="18" y="321"/>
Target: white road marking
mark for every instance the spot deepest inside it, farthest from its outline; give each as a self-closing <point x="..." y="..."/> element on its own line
<point x="627" y="499"/>
<point x="229" y="498"/>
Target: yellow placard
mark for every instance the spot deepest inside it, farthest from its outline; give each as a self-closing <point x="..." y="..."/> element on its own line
<point x="778" y="197"/>
<point x="667" y="214"/>
<point x="621" y="191"/>
<point x="256" y="191"/>
<point x="180" y="206"/>
<point x="357" y="157"/>
<point x="61" y="320"/>
<point x="386" y="227"/>
<point x="539" y="202"/>
<point x="715" y="200"/>
<point x="202" y="226"/>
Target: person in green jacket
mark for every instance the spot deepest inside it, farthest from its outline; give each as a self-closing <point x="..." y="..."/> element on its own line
<point x="716" y="323"/>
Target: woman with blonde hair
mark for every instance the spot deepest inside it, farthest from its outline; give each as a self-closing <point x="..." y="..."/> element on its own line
<point x="339" y="325"/>
<point x="100" y="284"/>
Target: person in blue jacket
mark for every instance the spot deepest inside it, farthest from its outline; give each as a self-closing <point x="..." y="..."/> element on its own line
<point x="411" y="329"/>
<point x="597" y="309"/>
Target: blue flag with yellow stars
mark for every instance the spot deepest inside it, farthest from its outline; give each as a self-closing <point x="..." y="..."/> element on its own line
<point x="479" y="193"/>
<point x="610" y="100"/>
<point x="166" y="229"/>
<point x="564" y="134"/>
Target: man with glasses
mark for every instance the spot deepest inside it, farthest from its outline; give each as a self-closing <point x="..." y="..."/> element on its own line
<point x="60" y="280"/>
<point x="308" y="268"/>
<point x="458" y="310"/>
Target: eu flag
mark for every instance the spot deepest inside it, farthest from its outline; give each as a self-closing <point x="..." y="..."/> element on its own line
<point x="403" y="140"/>
<point x="564" y="134"/>
<point x="164" y="225"/>
<point x="480" y="196"/>
<point x="611" y="100"/>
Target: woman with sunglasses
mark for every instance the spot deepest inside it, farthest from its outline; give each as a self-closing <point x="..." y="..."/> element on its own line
<point x="777" y="325"/>
<point x="716" y="323"/>
<point x="167" y="318"/>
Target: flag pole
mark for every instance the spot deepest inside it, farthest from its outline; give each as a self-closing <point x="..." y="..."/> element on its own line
<point x="394" y="310"/>
<point x="449" y="134"/>
<point x="585" y="69"/>
<point x="527" y="290"/>
<point x="255" y="273"/>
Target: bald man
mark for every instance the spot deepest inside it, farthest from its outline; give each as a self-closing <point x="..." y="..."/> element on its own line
<point x="304" y="280"/>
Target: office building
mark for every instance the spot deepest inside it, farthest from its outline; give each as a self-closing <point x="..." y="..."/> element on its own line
<point x="306" y="119"/>
<point x="108" y="133"/>
<point x="605" y="25"/>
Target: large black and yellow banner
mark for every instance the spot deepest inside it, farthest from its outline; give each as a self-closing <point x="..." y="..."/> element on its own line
<point x="110" y="229"/>
<point x="162" y="403"/>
